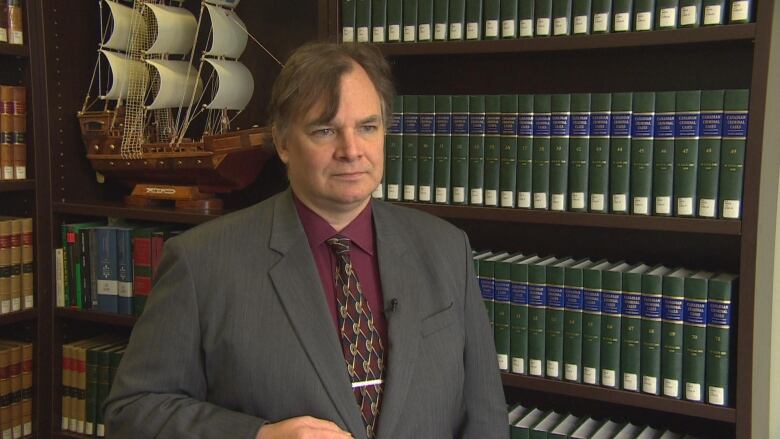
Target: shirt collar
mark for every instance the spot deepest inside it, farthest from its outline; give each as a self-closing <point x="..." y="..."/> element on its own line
<point x="360" y="231"/>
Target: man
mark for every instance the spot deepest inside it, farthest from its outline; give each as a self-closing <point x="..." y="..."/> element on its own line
<point x="317" y="313"/>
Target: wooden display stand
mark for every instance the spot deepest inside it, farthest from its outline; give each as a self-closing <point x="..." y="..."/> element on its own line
<point x="184" y="197"/>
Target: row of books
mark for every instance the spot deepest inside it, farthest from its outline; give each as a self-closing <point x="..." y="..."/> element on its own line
<point x="88" y="369"/>
<point x="11" y="22"/>
<point x="532" y="422"/>
<point x="16" y="388"/>
<point x="645" y="153"/>
<point x="16" y="264"/>
<point x="658" y="330"/>
<point x="380" y="21"/>
<point x="109" y="268"/>
<point x="13" y="132"/>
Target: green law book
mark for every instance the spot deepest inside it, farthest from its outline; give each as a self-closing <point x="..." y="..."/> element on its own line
<point x="686" y="151"/>
<point x="581" y="17"/>
<point x="611" y="309"/>
<point x="740" y="11"/>
<point x="473" y="19"/>
<point x="476" y="150"/>
<point x="525" y="147"/>
<point x="518" y="340"/>
<point x="666" y="14"/>
<point x="587" y="429"/>
<point x="649" y="433"/>
<point x="457" y="19"/>
<point x="104" y="384"/>
<point x="620" y="153"/>
<point x="394" y="146"/>
<point x="378" y="21"/>
<point x="524" y="426"/>
<point x="709" y="153"/>
<point x="622" y="11"/>
<point x="732" y="158"/>
<point x="424" y="20"/>
<point x="537" y="303"/>
<point x="690" y="13"/>
<point x="515" y="414"/>
<point x="642" y="124"/>
<point x="543" y="18"/>
<point x="553" y="325"/>
<point x="442" y="149"/>
<point x="672" y="332"/>
<point x="579" y="152"/>
<point x="663" y="153"/>
<point x="492" y="148"/>
<point x="460" y="149"/>
<point x="363" y="20"/>
<point x="565" y="428"/>
<point x="629" y="431"/>
<point x="713" y="12"/>
<point x="525" y="17"/>
<point x="348" y="21"/>
<point x="608" y="430"/>
<point x="591" y="322"/>
<point x="91" y="395"/>
<point x="695" y="335"/>
<point x="410" y="135"/>
<point x="631" y="328"/>
<point x="652" y="293"/>
<point x="602" y="16"/>
<point x="509" y="18"/>
<point x="487" y="282"/>
<point x="561" y="13"/>
<point x="492" y="18"/>
<point x="542" y="429"/>
<point x="572" y="321"/>
<point x="560" y="129"/>
<point x="440" y="17"/>
<point x="395" y="21"/>
<point x="502" y="287"/>
<point x="644" y="15"/>
<point x="540" y="174"/>
<point x="507" y="173"/>
<point x="719" y="337"/>
<point x="598" y="169"/>
<point x="409" y="9"/>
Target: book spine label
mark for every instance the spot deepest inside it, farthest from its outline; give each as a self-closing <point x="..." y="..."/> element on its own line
<point x="410" y="138"/>
<point x="651" y="340"/>
<point x="492" y="149"/>
<point x="460" y="149"/>
<point x="644" y="15"/>
<point x="630" y="349"/>
<point x="602" y="16"/>
<point x="672" y="340"/>
<point x="560" y="129"/>
<point x="394" y="146"/>
<point x="554" y="329"/>
<point x="508" y="152"/>
<point x="537" y="299"/>
<point x="541" y="153"/>
<point x="518" y="349"/>
<point x="562" y="17"/>
<point x="572" y="337"/>
<point x="690" y="13"/>
<point x="713" y="12"/>
<point x="581" y="17"/>
<point x="591" y="336"/>
<point x="741" y="11"/>
<point x="442" y="150"/>
<point x="611" y="305"/>
<point x="477" y="150"/>
<point x="621" y="15"/>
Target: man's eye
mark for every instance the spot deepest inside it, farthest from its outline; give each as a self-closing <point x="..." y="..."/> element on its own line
<point x="369" y="128"/>
<point x="323" y="132"/>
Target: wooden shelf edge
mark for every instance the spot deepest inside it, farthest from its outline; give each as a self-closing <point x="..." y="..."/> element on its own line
<point x="96" y="317"/>
<point x="633" y="399"/>
<point x="582" y="219"/>
<point x="677" y="37"/>
<point x="17" y="185"/>
<point x="19" y="316"/>
<point x="162" y="214"/>
<point x="20" y="50"/>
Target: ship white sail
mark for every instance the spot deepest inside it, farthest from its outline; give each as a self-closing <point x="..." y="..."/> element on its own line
<point x="121" y="68"/>
<point x="123" y="18"/>
<point x="229" y="37"/>
<point x="225" y="3"/>
<point x="235" y="85"/>
<point x="179" y="81"/>
<point x="176" y="29"/>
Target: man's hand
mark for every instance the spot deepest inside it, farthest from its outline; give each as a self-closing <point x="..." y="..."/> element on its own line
<point x="304" y="427"/>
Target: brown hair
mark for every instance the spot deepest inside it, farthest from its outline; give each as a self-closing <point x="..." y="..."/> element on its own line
<point x="312" y="76"/>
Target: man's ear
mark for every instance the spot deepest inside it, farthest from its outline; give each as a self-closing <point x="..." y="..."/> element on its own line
<point x="281" y="144"/>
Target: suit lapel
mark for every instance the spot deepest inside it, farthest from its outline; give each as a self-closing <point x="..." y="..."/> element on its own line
<point x="398" y="275"/>
<point x="299" y="288"/>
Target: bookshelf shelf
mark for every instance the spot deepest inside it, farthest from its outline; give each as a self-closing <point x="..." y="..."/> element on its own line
<point x="718" y="34"/>
<point x="161" y="214"/>
<point x="19" y="316"/>
<point x="96" y="317"/>
<point x="17" y="185"/>
<point x="612" y="221"/>
<point x="19" y="50"/>
<point x="639" y="400"/>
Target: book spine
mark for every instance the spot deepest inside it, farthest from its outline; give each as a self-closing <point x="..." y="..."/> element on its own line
<point x="672" y="337"/>
<point x="487" y="286"/>
<point x="709" y="153"/>
<point x="3" y="21"/>
<point x="378" y="21"/>
<point x="86" y="265"/>
<point x="541" y="154"/>
<point x="440" y="17"/>
<point x="518" y="347"/>
<point x="501" y="314"/>
<point x="561" y="14"/>
<point x="641" y="175"/>
<point x="598" y="170"/>
<point x="442" y="149"/>
<point x="142" y="269"/>
<point x="666" y="14"/>
<point x="537" y="302"/>
<point x="509" y="18"/>
<point x="425" y="140"/>
<point x="124" y="259"/>
<point x="602" y="16"/>
<point x="553" y="325"/>
<point x="718" y="344"/>
<point x="476" y="150"/>
<point x="543" y="18"/>
<point x="6" y="267"/>
<point x="492" y="19"/>
<point x="686" y="151"/>
<point x="16" y="264"/>
<point x="690" y="13"/>
<point x="507" y="184"/>
<point x="735" y="127"/>
<point x="572" y="331"/>
<point x="59" y="277"/>
<point x="410" y="136"/>
<point x="65" y="262"/>
<point x="424" y="20"/>
<point x="473" y="19"/>
<point x="620" y="153"/>
<point x="525" y="17"/>
<point x="492" y="149"/>
<point x="713" y="12"/>
<point x="395" y="21"/>
<point x="581" y="17"/>
<point x="644" y="15"/>
<point x="694" y="338"/>
<point x="525" y="139"/>
<point x="560" y="129"/>
<point x="19" y="146"/>
<point x="579" y="151"/>
<point x="611" y="308"/>
<point x="348" y="21"/>
<point x="363" y="20"/>
<point x="394" y="147"/>
<point x="15" y="20"/>
<point x="631" y="331"/>
<point x="651" y="334"/>
<point x="27" y="263"/>
<point x="591" y="326"/>
<point x="457" y="20"/>
<point x="740" y="11"/>
<point x="663" y="153"/>
<point x="107" y="280"/>
<point x="460" y="149"/>
<point x="622" y="10"/>
<point x="409" y="10"/>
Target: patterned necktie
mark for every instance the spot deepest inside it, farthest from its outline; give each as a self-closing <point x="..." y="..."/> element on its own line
<point x="360" y="340"/>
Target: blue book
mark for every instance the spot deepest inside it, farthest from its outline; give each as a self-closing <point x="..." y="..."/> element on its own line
<point x="107" y="279"/>
<point x="124" y="272"/>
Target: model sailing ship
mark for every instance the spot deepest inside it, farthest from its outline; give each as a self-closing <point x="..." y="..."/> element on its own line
<point x="154" y="96"/>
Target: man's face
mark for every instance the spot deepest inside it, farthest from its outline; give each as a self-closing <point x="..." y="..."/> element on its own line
<point x="334" y="166"/>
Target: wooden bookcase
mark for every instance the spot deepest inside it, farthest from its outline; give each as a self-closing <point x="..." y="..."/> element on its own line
<point x="57" y="62"/>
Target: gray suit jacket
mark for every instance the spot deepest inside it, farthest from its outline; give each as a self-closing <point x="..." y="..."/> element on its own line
<point x="237" y="333"/>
